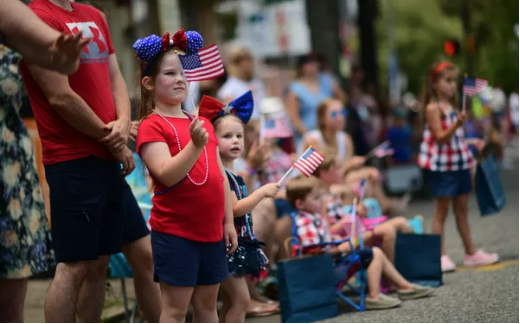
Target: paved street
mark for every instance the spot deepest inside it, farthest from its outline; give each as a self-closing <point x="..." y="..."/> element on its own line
<point x="488" y="294"/>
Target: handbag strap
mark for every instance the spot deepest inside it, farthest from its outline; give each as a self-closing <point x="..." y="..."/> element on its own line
<point x="287" y="245"/>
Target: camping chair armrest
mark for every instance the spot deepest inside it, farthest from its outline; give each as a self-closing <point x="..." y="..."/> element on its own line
<point x="337" y="242"/>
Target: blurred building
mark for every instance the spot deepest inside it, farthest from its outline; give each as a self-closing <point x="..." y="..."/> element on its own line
<point x="276" y="31"/>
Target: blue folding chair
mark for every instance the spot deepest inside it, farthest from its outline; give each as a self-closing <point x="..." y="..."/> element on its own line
<point x="342" y="266"/>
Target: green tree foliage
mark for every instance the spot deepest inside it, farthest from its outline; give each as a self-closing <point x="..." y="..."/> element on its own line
<point x="421" y="26"/>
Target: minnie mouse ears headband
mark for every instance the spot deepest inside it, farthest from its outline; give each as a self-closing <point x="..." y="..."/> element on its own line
<point x="149" y="47"/>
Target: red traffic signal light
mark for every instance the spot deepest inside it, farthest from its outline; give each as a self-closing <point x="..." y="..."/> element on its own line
<point x="451" y="47"/>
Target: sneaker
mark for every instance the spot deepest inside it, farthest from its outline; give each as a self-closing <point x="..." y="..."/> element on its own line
<point x="417" y="224"/>
<point x="480" y="258"/>
<point x="446" y="264"/>
<point x="416" y="293"/>
<point x="383" y="302"/>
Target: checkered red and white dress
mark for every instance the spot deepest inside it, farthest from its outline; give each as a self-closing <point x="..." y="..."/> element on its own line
<point x="453" y="156"/>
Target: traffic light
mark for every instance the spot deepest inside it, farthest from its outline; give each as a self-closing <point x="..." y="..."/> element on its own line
<point x="451" y="47"/>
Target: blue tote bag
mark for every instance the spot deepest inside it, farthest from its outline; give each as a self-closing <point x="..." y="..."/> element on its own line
<point x="490" y="193"/>
<point x="418" y="258"/>
<point x="306" y="287"/>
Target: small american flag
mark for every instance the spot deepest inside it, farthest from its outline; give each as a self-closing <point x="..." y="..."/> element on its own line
<point x="472" y="86"/>
<point x="309" y="162"/>
<point x="360" y="189"/>
<point x="204" y="65"/>
<point x="274" y="127"/>
<point x="353" y="224"/>
<point x="383" y="150"/>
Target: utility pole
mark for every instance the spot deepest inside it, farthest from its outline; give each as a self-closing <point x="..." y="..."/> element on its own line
<point x="323" y="20"/>
<point x="468" y="40"/>
<point x="368" y="55"/>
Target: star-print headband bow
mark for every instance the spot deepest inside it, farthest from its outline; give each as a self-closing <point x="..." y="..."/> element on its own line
<point x="149" y="47"/>
<point x="242" y="107"/>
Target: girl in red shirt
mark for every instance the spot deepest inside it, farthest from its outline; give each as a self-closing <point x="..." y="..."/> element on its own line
<point x="191" y="218"/>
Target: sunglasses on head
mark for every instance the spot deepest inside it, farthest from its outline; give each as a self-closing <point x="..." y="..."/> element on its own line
<point x="335" y="114"/>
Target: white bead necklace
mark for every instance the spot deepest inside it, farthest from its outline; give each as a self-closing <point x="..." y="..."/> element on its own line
<point x="180" y="149"/>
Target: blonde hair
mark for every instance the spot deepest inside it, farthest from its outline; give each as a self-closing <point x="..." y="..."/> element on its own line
<point x="300" y="187"/>
<point x="235" y="55"/>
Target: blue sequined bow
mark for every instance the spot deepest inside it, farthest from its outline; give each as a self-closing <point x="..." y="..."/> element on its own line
<point x="242" y="107"/>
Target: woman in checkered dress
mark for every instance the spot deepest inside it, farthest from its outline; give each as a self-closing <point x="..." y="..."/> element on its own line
<point x="445" y="154"/>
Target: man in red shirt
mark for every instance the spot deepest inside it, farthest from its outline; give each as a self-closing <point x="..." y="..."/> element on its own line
<point x="83" y="122"/>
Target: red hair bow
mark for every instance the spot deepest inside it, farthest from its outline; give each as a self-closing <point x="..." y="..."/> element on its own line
<point x="165" y="43"/>
<point x="180" y="40"/>
<point x="210" y="107"/>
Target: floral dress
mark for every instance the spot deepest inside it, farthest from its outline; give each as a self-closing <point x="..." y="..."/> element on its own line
<point x="25" y="239"/>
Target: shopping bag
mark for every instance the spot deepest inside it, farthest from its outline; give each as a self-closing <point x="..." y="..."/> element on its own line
<point x="418" y="258"/>
<point x="306" y="288"/>
<point x="490" y="193"/>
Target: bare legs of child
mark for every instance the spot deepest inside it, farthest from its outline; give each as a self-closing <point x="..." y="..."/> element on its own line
<point x="473" y="256"/>
<point x="176" y="300"/>
<point x="264" y="219"/>
<point x="382" y="267"/>
<point x="139" y="256"/>
<point x="387" y="233"/>
<point x="236" y="300"/>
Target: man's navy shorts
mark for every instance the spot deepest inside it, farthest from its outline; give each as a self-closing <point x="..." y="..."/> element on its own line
<point x="134" y="225"/>
<point x="87" y="208"/>
<point x="181" y="262"/>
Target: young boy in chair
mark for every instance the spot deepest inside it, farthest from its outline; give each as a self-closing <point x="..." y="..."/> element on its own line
<point x="305" y="195"/>
<point x="329" y="172"/>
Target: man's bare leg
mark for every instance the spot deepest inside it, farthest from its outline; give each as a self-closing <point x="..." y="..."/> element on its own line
<point x="62" y="295"/>
<point x="92" y="293"/>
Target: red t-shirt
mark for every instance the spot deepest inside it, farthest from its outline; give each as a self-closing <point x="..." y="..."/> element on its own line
<point x="60" y="141"/>
<point x="189" y="211"/>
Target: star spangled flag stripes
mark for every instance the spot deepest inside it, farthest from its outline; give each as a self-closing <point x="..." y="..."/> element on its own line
<point x="274" y="127"/>
<point x="204" y="65"/>
<point x="472" y="86"/>
<point x="353" y="225"/>
<point x="360" y="189"/>
<point x="309" y="161"/>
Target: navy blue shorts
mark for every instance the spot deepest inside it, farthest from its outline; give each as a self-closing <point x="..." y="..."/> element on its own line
<point x="181" y="262"/>
<point x="87" y="208"/>
<point x="134" y="225"/>
<point x="450" y="183"/>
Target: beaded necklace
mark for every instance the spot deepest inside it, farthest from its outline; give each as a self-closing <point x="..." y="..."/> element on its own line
<point x="180" y="148"/>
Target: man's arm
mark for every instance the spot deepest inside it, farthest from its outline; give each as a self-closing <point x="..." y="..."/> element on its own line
<point x="36" y="41"/>
<point x="67" y="103"/>
<point x="120" y="128"/>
